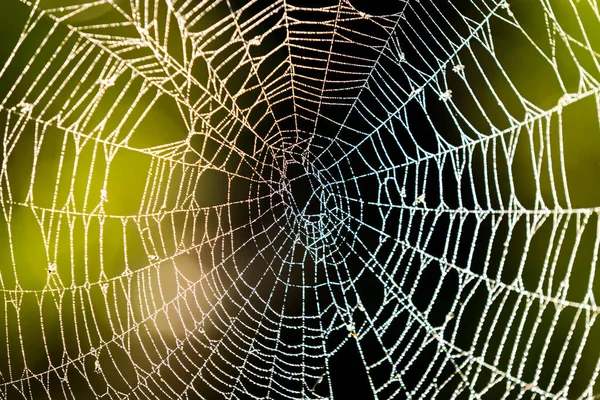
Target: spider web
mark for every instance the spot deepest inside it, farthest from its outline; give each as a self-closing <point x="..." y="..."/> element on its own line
<point x="298" y="199"/>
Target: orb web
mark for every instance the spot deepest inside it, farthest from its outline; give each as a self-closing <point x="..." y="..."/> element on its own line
<point x="299" y="199"/>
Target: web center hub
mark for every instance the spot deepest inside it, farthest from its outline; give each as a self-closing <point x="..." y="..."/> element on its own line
<point x="303" y="189"/>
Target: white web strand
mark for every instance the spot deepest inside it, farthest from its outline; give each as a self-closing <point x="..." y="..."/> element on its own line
<point x="254" y="199"/>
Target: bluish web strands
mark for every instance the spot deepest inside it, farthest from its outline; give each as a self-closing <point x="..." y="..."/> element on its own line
<point x="297" y="199"/>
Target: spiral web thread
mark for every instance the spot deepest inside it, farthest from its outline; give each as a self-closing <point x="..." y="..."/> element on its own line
<point x="326" y="181"/>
